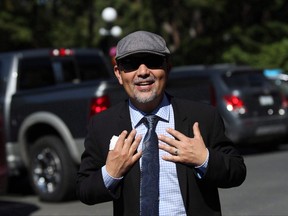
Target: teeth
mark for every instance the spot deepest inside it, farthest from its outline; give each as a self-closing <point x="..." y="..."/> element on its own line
<point x="142" y="84"/>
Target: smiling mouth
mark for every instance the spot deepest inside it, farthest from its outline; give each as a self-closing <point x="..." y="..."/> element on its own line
<point x="144" y="83"/>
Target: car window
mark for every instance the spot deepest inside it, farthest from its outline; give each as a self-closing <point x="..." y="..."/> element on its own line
<point x="35" y="73"/>
<point x="242" y="79"/>
<point x="197" y="88"/>
<point x="91" y="67"/>
<point x="5" y="68"/>
<point x="65" y="68"/>
<point x="84" y="67"/>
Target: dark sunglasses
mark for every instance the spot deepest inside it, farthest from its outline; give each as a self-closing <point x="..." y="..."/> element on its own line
<point x="132" y="63"/>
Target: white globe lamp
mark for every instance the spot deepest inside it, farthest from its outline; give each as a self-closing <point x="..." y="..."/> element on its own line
<point x="109" y="14"/>
<point x="116" y="31"/>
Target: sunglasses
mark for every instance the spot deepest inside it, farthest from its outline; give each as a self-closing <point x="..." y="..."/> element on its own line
<point x="132" y="63"/>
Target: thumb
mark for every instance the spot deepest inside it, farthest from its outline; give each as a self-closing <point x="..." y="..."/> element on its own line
<point x="196" y="130"/>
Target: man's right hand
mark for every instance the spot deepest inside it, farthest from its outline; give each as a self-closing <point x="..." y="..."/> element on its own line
<point x="123" y="156"/>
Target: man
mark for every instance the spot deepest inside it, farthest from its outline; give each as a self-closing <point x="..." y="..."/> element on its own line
<point x="195" y="157"/>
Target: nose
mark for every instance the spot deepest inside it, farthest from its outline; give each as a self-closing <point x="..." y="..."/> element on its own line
<point x="143" y="70"/>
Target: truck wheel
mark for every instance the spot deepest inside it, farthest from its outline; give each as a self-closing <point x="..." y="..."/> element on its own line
<point x="52" y="171"/>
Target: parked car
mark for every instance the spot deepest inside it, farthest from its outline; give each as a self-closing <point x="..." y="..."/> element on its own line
<point x="252" y="107"/>
<point x="47" y="97"/>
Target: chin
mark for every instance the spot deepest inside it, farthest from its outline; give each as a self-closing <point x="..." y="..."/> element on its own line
<point x="140" y="98"/>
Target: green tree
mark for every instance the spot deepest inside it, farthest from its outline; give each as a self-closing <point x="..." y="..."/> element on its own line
<point x="257" y="35"/>
<point x="14" y="27"/>
<point x="250" y="32"/>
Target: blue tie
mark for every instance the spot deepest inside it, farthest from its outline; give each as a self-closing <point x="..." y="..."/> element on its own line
<point x="149" y="200"/>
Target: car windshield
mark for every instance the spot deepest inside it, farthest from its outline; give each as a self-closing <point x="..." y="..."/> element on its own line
<point x="243" y="79"/>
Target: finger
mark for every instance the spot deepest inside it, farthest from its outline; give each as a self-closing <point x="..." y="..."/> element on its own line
<point x="196" y="130"/>
<point x="129" y="140"/>
<point x="135" y="144"/>
<point x="121" y="139"/>
<point x="176" y="134"/>
<point x="171" y="158"/>
<point x="136" y="156"/>
<point x="168" y="140"/>
<point x="170" y="149"/>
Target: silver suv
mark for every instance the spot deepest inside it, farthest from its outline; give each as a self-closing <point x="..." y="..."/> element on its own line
<point x="253" y="108"/>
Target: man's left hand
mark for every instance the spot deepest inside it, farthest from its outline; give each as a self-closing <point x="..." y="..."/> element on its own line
<point x="184" y="149"/>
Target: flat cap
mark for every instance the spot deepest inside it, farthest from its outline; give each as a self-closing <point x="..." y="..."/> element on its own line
<point x="141" y="42"/>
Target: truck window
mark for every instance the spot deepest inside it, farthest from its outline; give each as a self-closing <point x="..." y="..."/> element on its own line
<point x="35" y="73"/>
<point x="4" y="70"/>
<point x="91" y="67"/>
<point x="195" y="88"/>
<point x="73" y="69"/>
<point x="68" y="69"/>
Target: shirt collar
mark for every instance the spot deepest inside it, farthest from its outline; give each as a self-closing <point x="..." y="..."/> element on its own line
<point x="161" y="111"/>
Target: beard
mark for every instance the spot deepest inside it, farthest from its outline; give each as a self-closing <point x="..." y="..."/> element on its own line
<point x="145" y="97"/>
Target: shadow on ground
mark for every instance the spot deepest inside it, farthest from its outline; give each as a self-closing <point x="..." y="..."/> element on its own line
<point x="8" y="208"/>
<point x="17" y="186"/>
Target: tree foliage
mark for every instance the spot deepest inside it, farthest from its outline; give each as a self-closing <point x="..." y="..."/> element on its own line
<point x="250" y="32"/>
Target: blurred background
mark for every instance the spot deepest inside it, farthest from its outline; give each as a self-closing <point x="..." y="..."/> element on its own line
<point x="250" y="32"/>
<point x="253" y="33"/>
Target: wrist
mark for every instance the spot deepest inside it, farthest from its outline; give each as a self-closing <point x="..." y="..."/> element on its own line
<point x="204" y="162"/>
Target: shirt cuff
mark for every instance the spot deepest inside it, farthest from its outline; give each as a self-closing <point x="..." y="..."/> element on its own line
<point x="201" y="170"/>
<point x="109" y="181"/>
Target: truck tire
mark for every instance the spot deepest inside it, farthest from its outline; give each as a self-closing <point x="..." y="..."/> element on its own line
<point x="52" y="171"/>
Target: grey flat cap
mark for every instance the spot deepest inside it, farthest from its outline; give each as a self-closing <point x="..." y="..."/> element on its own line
<point x="141" y="42"/>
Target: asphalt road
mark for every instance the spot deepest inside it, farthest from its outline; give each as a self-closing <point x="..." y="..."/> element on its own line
<point x="264" y="193"/>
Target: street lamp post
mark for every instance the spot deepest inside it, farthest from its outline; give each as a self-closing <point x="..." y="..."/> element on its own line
<point x="110" y="32"/>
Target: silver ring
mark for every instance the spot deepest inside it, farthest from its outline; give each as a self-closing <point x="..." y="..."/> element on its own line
<point x="176" y="151"/>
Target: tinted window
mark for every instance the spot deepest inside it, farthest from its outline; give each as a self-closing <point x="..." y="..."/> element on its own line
<point x="196" y="88"/>
<point x="35" y="73"/>
<point x="67" y="68"/>
<point x="244" y="79"/>
<point x="91" y="67"/>
<point x="5" y="68"/>
<point x="41" y="72"/>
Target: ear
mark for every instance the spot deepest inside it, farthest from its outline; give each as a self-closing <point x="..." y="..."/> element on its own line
<point x="117" y="73"/>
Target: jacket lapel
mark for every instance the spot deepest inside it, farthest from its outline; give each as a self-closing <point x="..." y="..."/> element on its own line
<point x="124" y="121"/>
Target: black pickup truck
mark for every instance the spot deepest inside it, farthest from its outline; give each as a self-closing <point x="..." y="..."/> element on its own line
<point x="46" y="99"/>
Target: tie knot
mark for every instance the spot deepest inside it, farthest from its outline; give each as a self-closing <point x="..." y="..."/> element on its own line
<point x="151" y="121"/>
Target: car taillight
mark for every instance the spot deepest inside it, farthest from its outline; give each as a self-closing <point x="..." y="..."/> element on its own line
<point x="284" y="101"/>
<point x="99" y="104"/>
<point x="234" y="103"/>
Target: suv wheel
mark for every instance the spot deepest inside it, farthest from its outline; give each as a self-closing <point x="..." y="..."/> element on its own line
<point x="52" y="171"/>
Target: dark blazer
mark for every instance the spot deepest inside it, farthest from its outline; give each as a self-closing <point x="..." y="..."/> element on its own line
<point x="226" y="167"/>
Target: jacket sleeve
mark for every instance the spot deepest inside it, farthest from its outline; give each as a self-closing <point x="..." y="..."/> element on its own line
<point x="226" y="166"/>
<point x="90" y="187"/>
